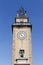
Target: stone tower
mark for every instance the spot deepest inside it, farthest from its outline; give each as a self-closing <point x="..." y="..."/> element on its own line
<point x="21" y="42"/>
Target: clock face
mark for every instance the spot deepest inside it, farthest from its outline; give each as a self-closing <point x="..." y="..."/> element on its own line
<point x="21" y="35"/>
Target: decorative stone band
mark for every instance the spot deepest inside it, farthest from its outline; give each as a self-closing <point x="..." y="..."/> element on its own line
<point x="21" y="61"/>
<point x="21" y="64"/>
<point x="21" y="25"/>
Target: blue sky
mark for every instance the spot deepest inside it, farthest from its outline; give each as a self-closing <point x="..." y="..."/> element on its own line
<point x="8" y="10"/>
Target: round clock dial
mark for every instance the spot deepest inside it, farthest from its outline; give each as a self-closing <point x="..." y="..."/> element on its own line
<point x="21" y="35"/>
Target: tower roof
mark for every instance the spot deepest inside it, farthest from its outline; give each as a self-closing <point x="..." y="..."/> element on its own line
<point x="21" y="12"/>
<point x="21" y="20"/>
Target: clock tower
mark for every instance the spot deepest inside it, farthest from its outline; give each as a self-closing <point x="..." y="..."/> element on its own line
<point x="21" y="42"/>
